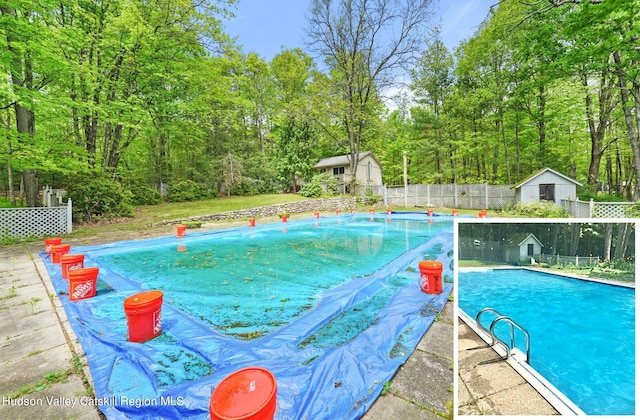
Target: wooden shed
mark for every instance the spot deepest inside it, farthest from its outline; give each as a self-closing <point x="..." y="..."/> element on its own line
<point x="368" y="171"/>
<point x="546" y="185"/>
<point x="521" y="247"/>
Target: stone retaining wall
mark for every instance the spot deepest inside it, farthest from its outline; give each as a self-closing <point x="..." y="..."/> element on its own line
<point x="307" y="206"/>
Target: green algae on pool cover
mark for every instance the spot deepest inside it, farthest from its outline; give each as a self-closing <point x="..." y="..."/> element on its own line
<point x="248" y="286"/>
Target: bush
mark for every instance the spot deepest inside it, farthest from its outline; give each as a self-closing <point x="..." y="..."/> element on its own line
<point x="542" y="209"/>
<point x="143" y="194"/>
<point x="321" y="185"/>
<point x="95" y="198"/>
<point x="186" y="190"/>
<point x="248" y="187"/>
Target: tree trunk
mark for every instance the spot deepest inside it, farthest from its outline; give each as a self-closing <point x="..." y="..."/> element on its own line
<point x="632" y="127"/>
<point x="597" y="129"/>
<point x="624" y="238"/>
<point x="608" y="236"/>
<point x="31" y="188"/>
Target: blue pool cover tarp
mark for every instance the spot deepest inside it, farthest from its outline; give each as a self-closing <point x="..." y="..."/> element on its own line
<point x="174" y="375"/>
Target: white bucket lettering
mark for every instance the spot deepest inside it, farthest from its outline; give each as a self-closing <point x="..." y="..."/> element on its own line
<point x="83" y="289"/>
<point x="76" y="266"/>
<point x="157" y="321"/>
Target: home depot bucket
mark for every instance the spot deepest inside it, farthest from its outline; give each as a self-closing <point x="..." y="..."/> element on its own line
<point x="431" y="277"/>
<point x="252" y="222"/>
<point x="143" y="312"/>
<point x="71" y="262"/>
<point x="82" y="283"/>
<point x="58" y="251"/>
<point x="248" y="393"/>
<point x="49" y="242"/>
<point x="181" y="230"/>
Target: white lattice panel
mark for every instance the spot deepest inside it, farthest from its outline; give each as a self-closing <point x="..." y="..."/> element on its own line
<point x="33" y="222"/>
<point x="612" y="210"/>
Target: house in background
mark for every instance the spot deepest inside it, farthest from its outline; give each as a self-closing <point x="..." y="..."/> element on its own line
<point x="546" y="185"/>
<point x="368" y="170"/>
<point x="521" y="247"/>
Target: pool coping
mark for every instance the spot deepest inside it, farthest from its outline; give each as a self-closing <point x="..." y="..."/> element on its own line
<point x="551" y="271"/>
<point x="517" y="360"/>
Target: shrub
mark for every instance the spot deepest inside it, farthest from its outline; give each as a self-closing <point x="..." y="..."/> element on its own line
<point x="95" y="198"/>
<point x="321" y="185"/>
<point x="248" y="187"/>
<point x="542" y="209"/>
<point x="186" y="190"/>
<point x="143" y="194"/>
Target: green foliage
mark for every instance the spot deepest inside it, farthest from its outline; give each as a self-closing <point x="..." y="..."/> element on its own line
<point x="633" y="210"/>
<point x="143" y="194"/>
<point x="321" y="185"/>
<point x="186" y="190"/>
<point x="97" y="197"/>
<point x="540" y="209"/>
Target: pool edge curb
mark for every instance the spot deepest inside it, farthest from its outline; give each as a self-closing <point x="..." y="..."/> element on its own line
<point x="548" y="391"/>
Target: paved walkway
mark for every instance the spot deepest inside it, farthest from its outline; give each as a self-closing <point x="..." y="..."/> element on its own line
<point x="44" y="373"/>
<point x="487" y="385"/>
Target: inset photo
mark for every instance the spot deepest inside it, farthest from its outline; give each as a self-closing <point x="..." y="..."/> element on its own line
<point x="546" y="317"/>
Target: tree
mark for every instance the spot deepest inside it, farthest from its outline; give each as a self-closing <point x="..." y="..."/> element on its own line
<point x="366" y="44"/>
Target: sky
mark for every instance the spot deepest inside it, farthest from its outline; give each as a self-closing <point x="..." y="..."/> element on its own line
<point x="267" y="26"/>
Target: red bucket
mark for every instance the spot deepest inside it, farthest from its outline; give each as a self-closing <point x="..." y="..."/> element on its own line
<point x="71" y="262"/>
<point x="431" y="277"/>
<point x="454" y="212"/>
<point x="247" y="394"/>
<point x="181" y="230"/>
<point x="58" y="251"/>
<point x="83" y="283"/>
<point x="143" y="312"/>
<point x="49" y="242"/>
<point x="252" y="222"/>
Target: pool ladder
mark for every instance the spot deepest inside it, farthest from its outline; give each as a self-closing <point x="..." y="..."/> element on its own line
<point x="512" y="325"/>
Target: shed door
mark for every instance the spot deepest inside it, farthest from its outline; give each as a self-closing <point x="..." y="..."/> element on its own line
<point x="548" y="192"/>
<point x="530" y="250"/>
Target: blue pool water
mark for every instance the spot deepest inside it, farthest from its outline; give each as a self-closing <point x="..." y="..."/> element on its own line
<point x="582" y="333"/>
<point x="317" y="302"/>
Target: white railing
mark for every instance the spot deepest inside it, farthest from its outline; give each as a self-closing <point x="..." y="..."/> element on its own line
<point x="35" y="222"/>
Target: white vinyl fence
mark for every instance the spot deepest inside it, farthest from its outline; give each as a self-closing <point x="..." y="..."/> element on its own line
<point x="463" y="196"/>
<point x="37" y="222"/>
<point x="598" y="209"/>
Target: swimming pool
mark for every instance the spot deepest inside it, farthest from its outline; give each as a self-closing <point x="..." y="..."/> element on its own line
<point x="582" y="332"/>
<point x="318" y="302"/>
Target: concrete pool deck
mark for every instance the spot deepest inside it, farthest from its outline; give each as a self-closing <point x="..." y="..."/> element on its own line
<point x="42" y="361"/>
<point x="488" y="385"/>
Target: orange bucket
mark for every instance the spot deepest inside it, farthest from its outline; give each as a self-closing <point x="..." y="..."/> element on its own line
<point x="83" y="283"/>
<point x="181" y="230"/>
<point x="58" y="251"/>
<point x="454" y="212"/>
<point x="431" y="277"/>
<point x="252" y="222"/>
<point x="49" y="242"/>
<point x="71" y="262"/>
<point x="143" y="312"/>
<point x="247" y="394"/>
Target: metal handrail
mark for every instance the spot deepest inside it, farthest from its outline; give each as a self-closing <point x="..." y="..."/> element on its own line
<point x="480" y="313"/>
<point x="512" y="324"/>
